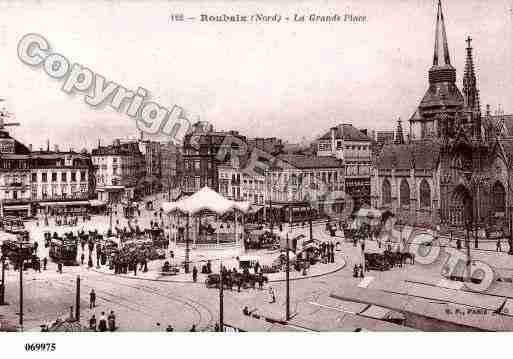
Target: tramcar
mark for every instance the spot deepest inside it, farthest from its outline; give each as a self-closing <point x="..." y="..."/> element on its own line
<point x="64" y="251"/>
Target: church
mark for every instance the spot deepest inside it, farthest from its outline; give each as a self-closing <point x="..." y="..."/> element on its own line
<point x="454" y="167"/>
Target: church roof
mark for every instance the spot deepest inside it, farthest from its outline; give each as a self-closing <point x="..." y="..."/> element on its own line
<point x="508" y="123"/>
<point x="417" y="154"/>
<point x="442" y="94"/>
<point x="507" y="145"/>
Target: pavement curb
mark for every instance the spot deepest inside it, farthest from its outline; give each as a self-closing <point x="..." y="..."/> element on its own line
<point x="338" y="268"/>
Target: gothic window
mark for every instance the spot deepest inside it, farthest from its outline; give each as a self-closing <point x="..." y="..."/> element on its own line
<point x="425" y="194"/>
<point x="404" y="193"/>
<point x="498" y="195"/>
<point x="386" y="192"/>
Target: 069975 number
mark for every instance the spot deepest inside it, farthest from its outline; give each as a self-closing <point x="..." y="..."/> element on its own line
<point x="40" y="347"/>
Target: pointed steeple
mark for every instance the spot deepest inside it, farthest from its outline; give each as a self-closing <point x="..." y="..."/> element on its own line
<point x="441" y="56"/>
<point x="442" y="70"/>
<point x="399" y="135"/>
<point x="470" y="92"/>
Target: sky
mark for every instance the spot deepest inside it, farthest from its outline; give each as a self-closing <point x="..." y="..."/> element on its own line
<point x="288" y="80"/>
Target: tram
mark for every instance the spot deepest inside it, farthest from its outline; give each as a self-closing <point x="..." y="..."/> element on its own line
<point x="64" y="250"/>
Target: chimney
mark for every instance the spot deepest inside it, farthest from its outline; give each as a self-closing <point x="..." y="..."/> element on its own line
<point x="56" y="148"/>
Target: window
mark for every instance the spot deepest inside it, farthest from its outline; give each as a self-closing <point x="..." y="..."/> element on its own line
<point x="43" y="177"/>
<point x="404" y="194"/>
<point x="83" y="176"/>
<point x="425" y="194"/>
<point x="54" y="177"/>
<point x="498" y="196"/>
<point x="63" y="177"/>
<point x="386" y="192"/>
<point x="339" y="145"/>
<point x="34" y="177"/>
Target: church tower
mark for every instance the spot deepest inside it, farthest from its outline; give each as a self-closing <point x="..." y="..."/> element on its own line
<point x="438" y="110"/>
<point x="472" y="107"/>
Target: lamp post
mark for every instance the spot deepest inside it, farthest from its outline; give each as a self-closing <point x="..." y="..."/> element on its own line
<point x="221" y="299"/>
<point x="287" y="279"/>
<point x="110" y="217"/>
<point x="2" y="287"/>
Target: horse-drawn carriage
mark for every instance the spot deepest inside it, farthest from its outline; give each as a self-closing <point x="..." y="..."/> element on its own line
<point x="387" y="260"/>
<point x="376" y="261"/>
<point x="64" y="250"/>
<point x="170" y="269"/>
<point x="262" y="239"/>
<point x="235" y="279"/>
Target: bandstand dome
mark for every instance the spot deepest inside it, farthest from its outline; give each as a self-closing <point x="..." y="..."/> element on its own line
<point x="205" y="199"/>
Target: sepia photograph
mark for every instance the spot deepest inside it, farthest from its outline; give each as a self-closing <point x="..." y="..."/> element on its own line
<point x="236" y="166"/>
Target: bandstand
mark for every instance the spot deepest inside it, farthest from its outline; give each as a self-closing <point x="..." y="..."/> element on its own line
<point x="206" y="220"/>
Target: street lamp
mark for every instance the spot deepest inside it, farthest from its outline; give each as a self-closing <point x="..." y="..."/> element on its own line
<point x="2" y="287"/>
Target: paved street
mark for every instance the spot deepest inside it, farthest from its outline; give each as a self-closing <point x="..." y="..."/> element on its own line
<point x="150" y="302"/>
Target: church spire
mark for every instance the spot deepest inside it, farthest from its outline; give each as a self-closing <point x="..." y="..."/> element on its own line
<point x="441" y="56"/>
<point x="442" y="70"/>
<point x="470" y="92"/>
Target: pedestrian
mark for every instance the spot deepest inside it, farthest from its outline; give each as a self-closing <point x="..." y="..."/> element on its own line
<point x="45" y="262"/>
<point x="272" y="296"/>
<point x="193" y="328"/>
<point x="112" y="321"/>
<point x="216" y="328"/>
<point x="361" y="271"/>
<point x="92" y="323"/>
<point x="82" y="257"/>
<point x="92" y="299"/>
<point x="59" y="267"/>
<point x="499" y="249"/>
<point x="194" y="274"/>
<point x="102" y="325"/>
<point x="90" y="261"/>
<point x="170" y="328"/>
<point x="355" y="271"/>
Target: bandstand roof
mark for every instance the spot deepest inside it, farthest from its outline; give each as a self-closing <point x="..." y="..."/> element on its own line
<point x="206" y="199"/>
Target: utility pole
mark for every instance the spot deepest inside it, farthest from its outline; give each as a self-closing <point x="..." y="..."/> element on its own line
<point x="287" y="280"/>
<point x="110" y="220"/>
<point x="20" y="253"/>
<point x="221" y="304"/>
<point x="2" y="288"/>
<point x="187" y="248"/>
<point x="77" y="300"/>
<point x="271" y="215"/>
<point x="310" y="212"/>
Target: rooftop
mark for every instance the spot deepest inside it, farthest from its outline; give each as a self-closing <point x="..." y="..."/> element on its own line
<point x="346" y="132"/>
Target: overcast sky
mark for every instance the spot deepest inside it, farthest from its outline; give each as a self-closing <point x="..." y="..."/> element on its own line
<point x="290" y="80"/>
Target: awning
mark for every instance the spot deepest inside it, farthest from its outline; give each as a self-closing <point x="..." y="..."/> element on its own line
<point x="16" y="208"/>
<point x="69" y="203"/>
<point x="97" y="203"/>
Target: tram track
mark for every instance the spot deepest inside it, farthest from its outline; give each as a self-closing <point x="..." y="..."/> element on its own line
<point x="204" y="315"/>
